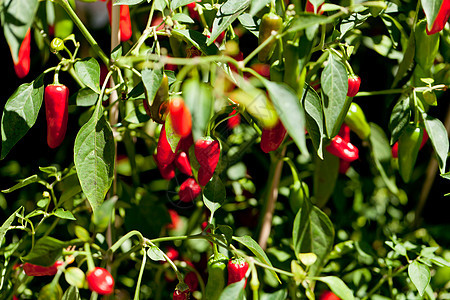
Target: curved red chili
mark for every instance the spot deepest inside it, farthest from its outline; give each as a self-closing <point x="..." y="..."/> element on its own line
<point x="164" y="153"/>
<point x="183" y="164"/>
<point x="272" y="138"/>
<point x="57" y="112"/>
<point x="22" y="65"/>
<point x="35" y="270"/>
<point x="441" y="18"/>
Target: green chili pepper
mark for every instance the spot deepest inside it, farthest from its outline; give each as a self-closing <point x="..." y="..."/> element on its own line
<point x="298" y="192"/>
<point x="427" y="46"/>
<point x="269" y="22"/>
<point x="277" y="71"/>
<point x="408" y="149"/>
<point x="356" y="120"/>
<point x="217" y="276"/>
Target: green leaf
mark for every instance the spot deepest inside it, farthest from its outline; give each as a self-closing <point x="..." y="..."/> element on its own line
<point x="94" y="157"/>
<point x="313" y="232"/>
<point x="289" y="110"/>
<point x="17" y="18"/>
<point x="439" y="139"/>
<point x="234" y="291"/>
<point x="420" y="276"/>
<point x="305" y="20"/>
<point x="198" y="97"/>
<point x="249" y="23"/>
<point x="20" y="113"/>
<point x="152" y="79"/>
<point x="174" y="4"/>
<point x="214" y="194"/>
<point x="72" y="293"/>
<point x="408" y="57"/>
<point x="102" y="216"/>
<point x="278" y="295"/>
<point x="22" y="183"/>
<point x="227" y="13"/>
<point x="88" y="70"/>
<point x="75" y="277"/>
<point x="182" y="18"/>
<point x="334" y="82"/>
<point x="45" y="251"/>
<point x="325" y="175"/>
<point x="256" y="249"/>
<point x="172" y="137"/>
<point x="399" y="117"/>
<point x="431" y="9"/>
<point x="137" y="115"/>
<point x="64" y="214"/>
<point x="257" y="5"/>
<point x="314" y="118"/>
<point x="84" y="97"/>
<point x="197" y="39"/>
<point x="427" y="46"/>
<point x="154" y="253"/>
<point x="6" y="225"/>
<point x="353" y="21"/>
<point x="338" y="287"/>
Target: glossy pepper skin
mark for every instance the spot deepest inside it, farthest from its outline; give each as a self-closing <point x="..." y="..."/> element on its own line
<point x="167" y="171"/>
<point x="181" y="295"/>
<point x="408" y="148"/>
<point x="269" y="22"/>
<point x="183" y="164"/>
<point x="271" y="138"/>
<point x="22" y="65"/>
<point x="234" y="120"/>
<point x="327" y="295"/>
<point x="217" y="274"/>
<point x="237" y="267"/>
<point x="356" y="120"/>
<point x="56" y="112"/>
<point x="35" y="270"/>
<point x="344" y="133"/>
<point x="164" y="153"/>
<point x="100" y="281"/>
<point x="441" y="18"/>
<point x="124" y="23"/>
<point x="180" y="116"/>
<point x="424" y="141"/>
<point x="189" y="190"/>
<point x="354" y="82"/>
<point x="207" y="153"/>
<point x="343" y="149"/>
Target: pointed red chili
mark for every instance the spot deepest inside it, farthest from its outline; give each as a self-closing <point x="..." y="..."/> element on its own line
<point x="189" y="190"/>
<point x="22" y="65"/>
<point x="35" y="270"/>
<point x="183" y="164"/>
<point x="164" y="153"/>
<point x="180" y="116"/>
<point x="124" y="23"/>
<point x="56" y="111"/>
<point x="441" y="18"/>
<point x="207" y="152"/>
<point x="354" y="83"/>
<point x="167" y="171"/>
<point x="235" y="120"/>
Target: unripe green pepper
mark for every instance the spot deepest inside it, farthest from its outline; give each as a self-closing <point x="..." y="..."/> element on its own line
<point x="427" y="46"/>
<point x="408" y="149"/>
<point x="298" y="192"/>
<point x="217" y="276"/>
<point x="292" y="69"/>
<point x="277" y="71"/>
<point x="356" y="120"/>
<point x="269" y="22"/>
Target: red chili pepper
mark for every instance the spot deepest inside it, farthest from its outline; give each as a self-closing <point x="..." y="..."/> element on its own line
<point x="184" y="295"/>
<point x="262" y="69"/>
<point x="441" y="18"/>
<point x="175" y="219"/>
<point x="424" y="141"/>
<point x="235" y="120"/>
<point x="344" y="132"/>
<point x="57" y="112"/>
<point x="164" y="153"/>
<point x="167" y="171"/>
<point x="237" y="268"/>
<point x="310" y="8"/>
<point x="100" y="281"/>
<point x="172" y="253"/>
<point x="35" y="270"/>
<point x="22" y="65"/>
<point x="272" y="138"/>
<point x="342" y="149"/>
<point x="124" y="23"/>
<point x="353" y="85"/>
<point x="191" y="280"/>
<point x="327" y="295"/>
<point x="189" y="190"/>
<point x="204" y="176"/>
<point x="180" y="116"/>
<point x="183" y="164"/>
<point x="186" y="143"/>
<point x="207" y="152"/>
<point x="193" y="13"/>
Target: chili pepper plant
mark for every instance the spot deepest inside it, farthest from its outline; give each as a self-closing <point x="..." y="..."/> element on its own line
<point x="224" y="149"/>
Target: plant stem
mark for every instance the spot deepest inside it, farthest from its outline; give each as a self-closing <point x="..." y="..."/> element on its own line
<point x="65" y="4"/>
<point x="382" y="92"/>
<point x="383" y="280"/>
